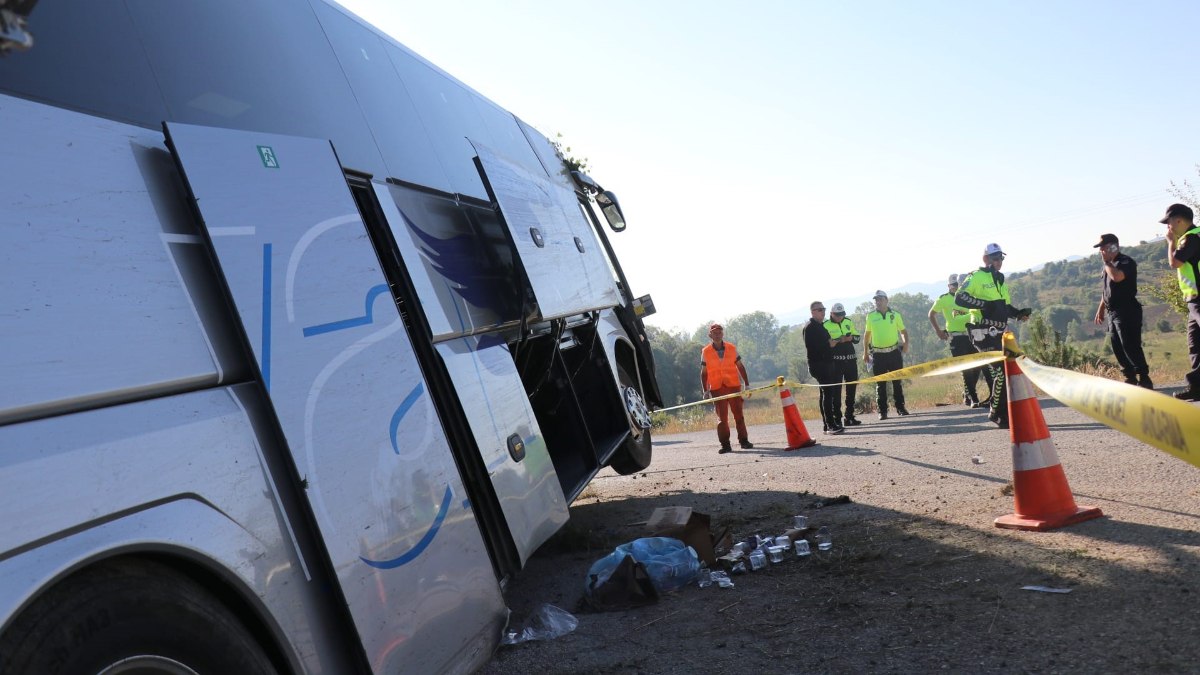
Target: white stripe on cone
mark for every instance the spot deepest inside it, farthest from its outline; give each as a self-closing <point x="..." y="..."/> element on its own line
<point x="1036" y="455"/>
<point x="788" y="400"/>
<point x="1019" y="387"/>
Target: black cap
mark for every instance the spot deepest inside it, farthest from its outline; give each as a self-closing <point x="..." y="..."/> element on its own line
<point x="1106" y="239"/>
<point x="1177" y="210"/>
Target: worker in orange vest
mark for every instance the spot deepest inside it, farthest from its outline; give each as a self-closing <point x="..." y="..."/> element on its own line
<point x="721" y="373"/>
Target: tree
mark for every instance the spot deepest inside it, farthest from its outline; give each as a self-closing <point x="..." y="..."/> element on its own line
<point x="1165" y="288"/>
<point x="564" y="153"/>
<point x="677" y="364"/>
<point x="1060" y="316"/>
<point x="795" y="358"/>
<point x="1075" y="330"/>
<point x="1047" y="346"/>
<point x="757" y="337"/>
<point x="1185" y="191"/>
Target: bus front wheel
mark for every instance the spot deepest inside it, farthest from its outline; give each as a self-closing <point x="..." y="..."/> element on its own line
<point x="634" y="453"/>
<point x="130" y="615"/>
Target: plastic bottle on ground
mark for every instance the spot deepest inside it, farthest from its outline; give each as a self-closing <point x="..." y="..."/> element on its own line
<point x="824" y="539"/>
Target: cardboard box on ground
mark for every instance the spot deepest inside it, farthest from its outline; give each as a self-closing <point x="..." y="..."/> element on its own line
<point x="690" y="527"/>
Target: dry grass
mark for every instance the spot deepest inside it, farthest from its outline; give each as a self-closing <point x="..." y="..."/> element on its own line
<point x="764" y="407"/>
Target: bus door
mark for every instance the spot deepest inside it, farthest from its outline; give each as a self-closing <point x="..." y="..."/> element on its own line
<point x="339" y="370"/>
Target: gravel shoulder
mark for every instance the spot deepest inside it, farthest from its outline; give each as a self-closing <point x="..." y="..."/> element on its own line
<point x="918" y="578"/>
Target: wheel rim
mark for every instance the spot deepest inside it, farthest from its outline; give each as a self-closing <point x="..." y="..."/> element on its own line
<point x="147" y="664"/>
<point x="636" y="408"/>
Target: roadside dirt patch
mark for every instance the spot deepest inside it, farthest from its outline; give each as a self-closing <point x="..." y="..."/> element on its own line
<point x="918" y="578"/>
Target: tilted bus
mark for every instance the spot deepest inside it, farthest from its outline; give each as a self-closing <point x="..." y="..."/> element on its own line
<point x="307" y="346"/>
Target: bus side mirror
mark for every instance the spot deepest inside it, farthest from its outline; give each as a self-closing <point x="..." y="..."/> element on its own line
<point x="611" y="209"/>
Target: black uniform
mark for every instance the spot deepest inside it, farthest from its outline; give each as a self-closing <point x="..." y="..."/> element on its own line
<point x="820" y="365"/>
<point x="1124" y="314"/>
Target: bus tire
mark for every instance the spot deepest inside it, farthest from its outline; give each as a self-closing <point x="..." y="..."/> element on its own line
<point x="634" y="454"/>
<point x="128" y="613"/>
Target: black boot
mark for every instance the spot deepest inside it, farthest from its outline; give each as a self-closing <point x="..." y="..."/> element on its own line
<point x="901" y="410"/>
<point x="1144" y="381"/>
<point x="852" y="421"/>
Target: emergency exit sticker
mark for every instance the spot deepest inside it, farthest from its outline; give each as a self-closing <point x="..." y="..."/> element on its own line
<point x="267" y="154"/>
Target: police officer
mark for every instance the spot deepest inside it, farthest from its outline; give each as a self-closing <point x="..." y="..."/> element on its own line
<point x="845" y="360"/>
<point x="887" y="342"/>
<point x="1183" y="254"/>
<point x="985" y="290"/>
<point x="819" y="347"/>
<point x="957" y="318"/>
<point x="1120" y="306"/>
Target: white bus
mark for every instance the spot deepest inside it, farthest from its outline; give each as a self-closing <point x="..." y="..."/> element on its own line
<point x="307" y="346"/>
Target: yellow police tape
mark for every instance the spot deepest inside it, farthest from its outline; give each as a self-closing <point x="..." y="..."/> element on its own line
<point x="953" y="364"/>
<point x="946" y="366"/>
<point x="745" y="393"/>
<point x="1168" y="424"/>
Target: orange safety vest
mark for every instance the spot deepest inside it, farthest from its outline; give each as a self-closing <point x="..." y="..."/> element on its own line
<point x="721" y="372"/>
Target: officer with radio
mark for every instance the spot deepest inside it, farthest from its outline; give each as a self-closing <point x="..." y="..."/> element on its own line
<point x="1120" y="306"/>
<point x="985" y="290"/>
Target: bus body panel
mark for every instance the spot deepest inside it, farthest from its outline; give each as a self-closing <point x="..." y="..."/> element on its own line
<point x="348" y="391"/>
<point x="499" y="414"/>
<point x="94" y="310"/>
<point x="180" y="475"/>
<point x="551" y="236"/>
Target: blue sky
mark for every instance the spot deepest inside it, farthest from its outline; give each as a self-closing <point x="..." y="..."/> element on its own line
<point x="774" y="153"/>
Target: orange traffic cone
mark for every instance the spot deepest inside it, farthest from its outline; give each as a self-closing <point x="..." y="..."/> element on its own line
<point x="1043" y="500"/>
<point x="797" y="433"/>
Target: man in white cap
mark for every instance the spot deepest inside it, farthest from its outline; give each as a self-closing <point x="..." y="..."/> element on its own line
<point x="957" y="317"/>
<point x="985" y="290"/>
<point x="845" y="360"/>
<point x="887" y="342"/>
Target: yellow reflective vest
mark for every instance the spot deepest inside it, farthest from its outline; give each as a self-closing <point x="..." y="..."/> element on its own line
<point x="1187" y="271"/>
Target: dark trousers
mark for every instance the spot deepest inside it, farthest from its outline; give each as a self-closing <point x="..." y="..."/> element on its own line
<point x="846" y="370"/>
<point x="723" y="409"/>
<point x="960" y="345"/>
<point x="1125" y="332"/>
<point x="886" y="362"/>
<point x="831" y="395"/>
<point x="1193" y="334"/>
<point x="995" y="343"/>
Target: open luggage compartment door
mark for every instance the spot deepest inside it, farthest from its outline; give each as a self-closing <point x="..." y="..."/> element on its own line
<point x="350" y="396"/>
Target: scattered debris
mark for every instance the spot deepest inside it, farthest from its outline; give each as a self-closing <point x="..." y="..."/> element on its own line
<point x="1045" y="589"/>
<point x="546" y="623"/>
